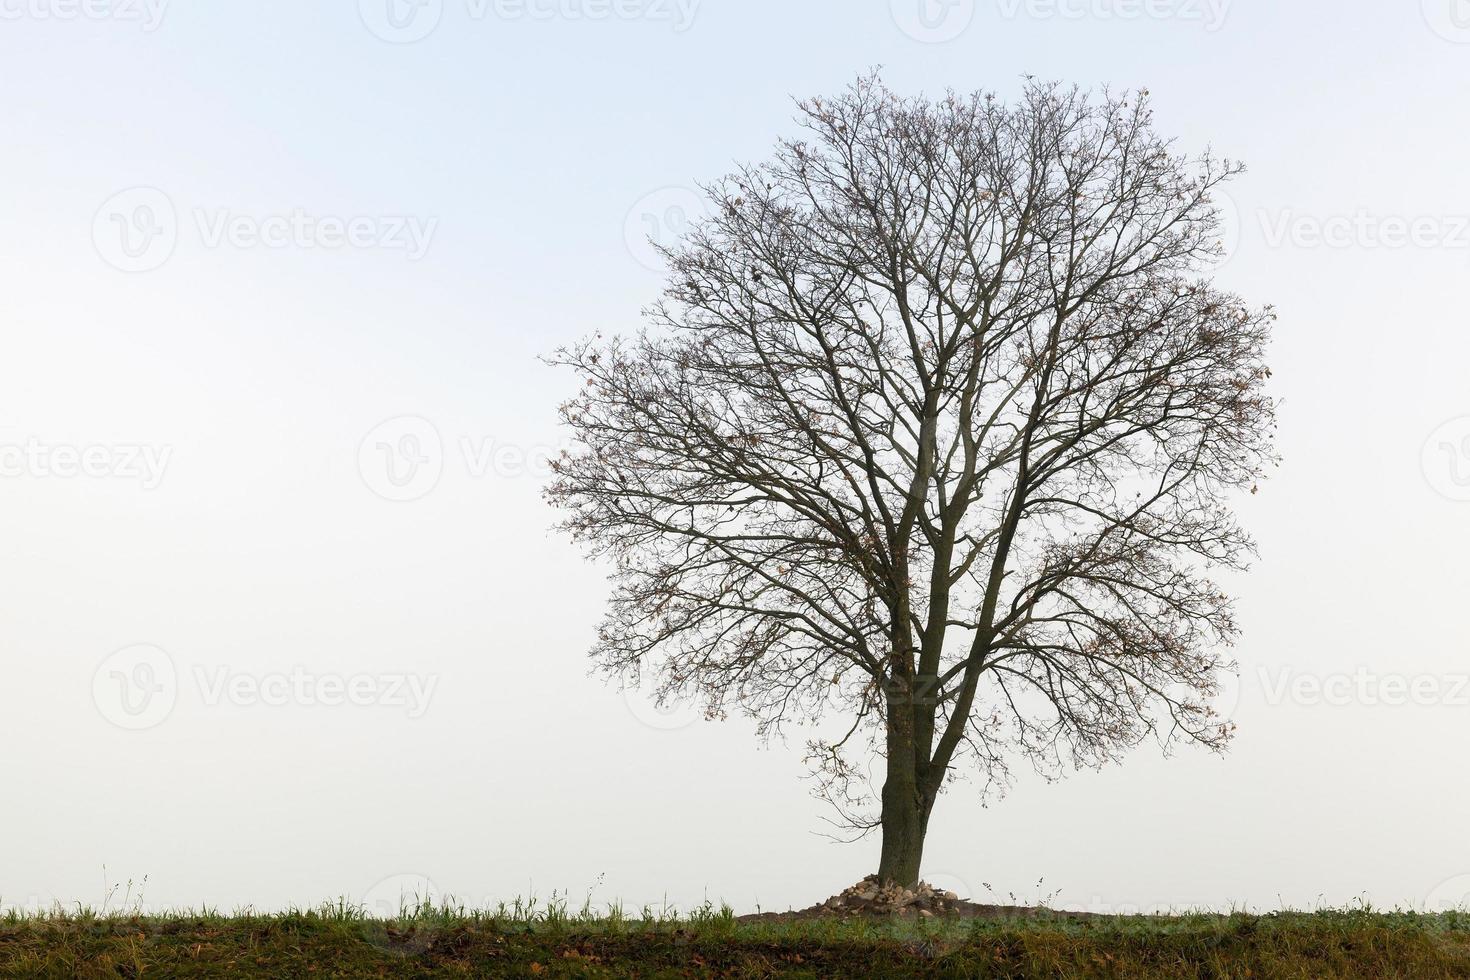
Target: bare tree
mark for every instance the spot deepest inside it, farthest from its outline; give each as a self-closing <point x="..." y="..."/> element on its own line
<point x="940" y="400"/>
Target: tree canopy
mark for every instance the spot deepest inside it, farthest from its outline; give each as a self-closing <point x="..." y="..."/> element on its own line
<point x="935" y="425"/>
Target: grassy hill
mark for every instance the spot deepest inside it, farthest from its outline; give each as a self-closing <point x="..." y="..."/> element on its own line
<point x="339" y="941"/>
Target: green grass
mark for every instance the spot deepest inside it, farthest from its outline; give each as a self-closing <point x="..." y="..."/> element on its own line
<point x="550" y="940"/>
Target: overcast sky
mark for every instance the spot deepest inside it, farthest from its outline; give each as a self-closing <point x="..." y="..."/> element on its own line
<point x="280" y="615"/>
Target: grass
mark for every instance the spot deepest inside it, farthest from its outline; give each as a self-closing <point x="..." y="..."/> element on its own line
<point x="526" y="939"/>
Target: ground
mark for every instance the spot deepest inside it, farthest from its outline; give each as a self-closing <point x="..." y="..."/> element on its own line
<point x="521" y="941"/>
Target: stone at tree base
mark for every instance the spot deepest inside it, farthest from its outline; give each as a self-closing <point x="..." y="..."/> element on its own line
<point x="869" y="897"/>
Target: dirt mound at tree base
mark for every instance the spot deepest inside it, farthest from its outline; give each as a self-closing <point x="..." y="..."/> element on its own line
<point x="874" y="900"/>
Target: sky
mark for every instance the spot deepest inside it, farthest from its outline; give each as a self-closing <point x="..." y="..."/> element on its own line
<point x="282" y="618"/>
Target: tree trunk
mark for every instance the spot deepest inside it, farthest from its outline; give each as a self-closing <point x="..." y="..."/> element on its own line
<point x="905" y="817"/>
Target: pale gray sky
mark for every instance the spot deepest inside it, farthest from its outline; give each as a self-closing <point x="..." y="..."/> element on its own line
<point x="258" y="257"/>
